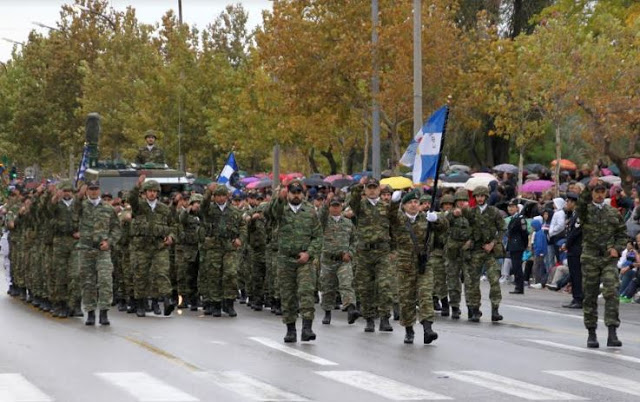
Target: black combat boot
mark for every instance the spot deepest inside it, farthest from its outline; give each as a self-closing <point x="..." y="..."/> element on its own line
<point x="242" y="299"/>
<point x="613" y="340"/>
<point x="371" y="325"/>
<point x="408" y="335"/>
<point x="55" y="311"/>
<point x="307" y="332"/>
<point x="169" y="305"/>
<point x="445" y="307"/>
<point x="229" y="308"/>
<point x="327" y="317"/>
<point x="131" y="306"/>
<point x="396" y="311"/>
<point x="436" y="304"/>
<point x="45" y="305"/>
<point x="257" y="304"/>
<point x="385" y="326"/>
<point x="338" y="302"/>
<point x="592" y="339"/>
<point x="291" y="335"/>
<point x="23" y="294"/>
<point x="208" y="308"/>
<point x="63" y="312"/>
<point x="77" y="310"/>
<point x="352" y="314"/>
<point x="141" y="311"/>
<point x="476" y="314"/>
<point x="104" y="320"/>
<point x="495" y="315"/>
<point x="155" y="306"/>
<point x="278" y="307"/>
<point x="193" y="303"/>
<point x="122" y="305"/>
<point x="455" y="313"/>
<point x="216" y="309"/>
<point x="91" y="318"/>
<point x="429" y="334"/>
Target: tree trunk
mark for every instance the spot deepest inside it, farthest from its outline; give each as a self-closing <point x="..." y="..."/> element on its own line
<point x="351" y="161"/>
<point x="312" y="161"/>
<point x="332" y="161"/>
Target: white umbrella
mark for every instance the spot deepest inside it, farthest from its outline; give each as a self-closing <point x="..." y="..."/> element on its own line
<point x="478" y="181"/>
<point x="483" y="174"/>
<point x="615" y="180"/>
<point x="447" y="184"/>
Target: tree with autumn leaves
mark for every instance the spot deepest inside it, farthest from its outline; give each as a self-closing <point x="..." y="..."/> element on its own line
<point x="515" y="73"/>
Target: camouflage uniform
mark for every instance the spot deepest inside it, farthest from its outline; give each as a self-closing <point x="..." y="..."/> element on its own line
<point x="603" y="229"/>
<point x="373" y="273"/>
<point x="257" y="245"/>
<point x="187" y="254"/>
<point x="96" y="223"/>
<point x="149" y="253"/>
<point x="487" y="226"/>
<point x="123" y="249"/>
<point x="153" y="155"/>
<point x="458" y="256"/>
<point x="218" y="275"/>
<point x="271" y="258"/>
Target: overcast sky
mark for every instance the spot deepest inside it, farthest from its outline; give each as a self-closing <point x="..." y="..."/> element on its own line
<point x="17" y="16"/>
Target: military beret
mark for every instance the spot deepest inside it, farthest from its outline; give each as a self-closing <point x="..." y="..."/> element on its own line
<point x="425" y="198"/>
<point x="150" y="133"/>
<point x="295" y="185"/>
<point x="336" y="201"/>
<point x="371" y="181"/>
<point x="412" y="195"/>
<point x="572" y="196"/>
<point x="221" y="190"/>
<point x="93" y="184"/>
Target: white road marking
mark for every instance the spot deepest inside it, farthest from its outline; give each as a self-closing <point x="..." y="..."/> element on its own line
<point x="509" y="386"/>
<point x="585" y="350"/>
<point x="218" y="342"/>
<point x="15" y="388"/>
<point x="250" y="387"/>
<point x="146" y="388"/>
<point x="294" y="352"/>
<point x="535" y="310"/>
<point x="382" y="386"/>
<point x="601" y="380"/>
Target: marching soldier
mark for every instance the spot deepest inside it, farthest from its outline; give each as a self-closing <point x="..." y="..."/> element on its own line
<point x="187" y="254"/>
<point x="150" y="153"/>
<point x="437" y="258"/>
<point x="257" y="244"/>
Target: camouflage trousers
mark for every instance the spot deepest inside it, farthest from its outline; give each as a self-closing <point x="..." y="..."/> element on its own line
<point x="124" y="252"/>
<point x="273" y="287"/>
<point x="49" y="282"/>
<point x="173" y="268"/>
<point x="373" y="282"/>
<point x="218" y="274"/>
<point x="64" y="257"/>
<point x="415" y="288"/>
<point x="439" y="275"/>
<point x="336" y="276"/>
<point x="258" y="273"/>
<point x="150" y="263"/>
<point x="594" y="271"/>
<point x="481" y="259"/>
<point x="458" y="265"/>
<point x="97" y="279"/>
<point x="297" y="288"/>
<point x="118" y="274"/>
<point x="188" y="261"/>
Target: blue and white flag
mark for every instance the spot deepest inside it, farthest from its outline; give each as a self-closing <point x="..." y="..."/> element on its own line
<point x="229" y="168"/>
<point x="84" y="164"/>
<point x="429" y="147"/>
<point x="409" y="155"/>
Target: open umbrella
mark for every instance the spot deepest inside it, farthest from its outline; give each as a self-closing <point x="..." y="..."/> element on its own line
<point x="455" y="178"/>
<point x="536" y="186"/>
<point x="565" y="164"/>
<point x="459" y="168"/>
<point x="248" y="180"/>
<point x="335" y="177"/>
<point x="615" y="180"/>
<point x="315" y="182"/>
<point x="534" y="167"/>
<point x="317" y="176"/>
<point x="339" y="183"/>
<point x="633" y="163"/>
<point x="506" y="167"/>
<point x="446" y="184"/>
<point x="397" y="182"/>
<point x="485" y="175"/>
<point x="478" y="181"/>
<point x="264" y="183"/>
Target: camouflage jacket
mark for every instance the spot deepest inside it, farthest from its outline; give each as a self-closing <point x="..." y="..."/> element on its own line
<point x="373" y="221"/>
<point x="155" y="223"/>
<point x="297" y="232"/>
<point x="486" y="227"/>
<point x="257" y="228"/>
<point x="339" y="235"/>
<point x="97" y="224"/>
<point x="402" y="243"/>
<point x="63" y="218"/>
<point x="220" y="226"/>
<point x="155" y="155"/>
<point x="189" y="228"/>
<point x="602" y="228"/>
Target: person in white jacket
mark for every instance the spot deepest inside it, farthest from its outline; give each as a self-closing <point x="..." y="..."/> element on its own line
<point x="557" y="226"/>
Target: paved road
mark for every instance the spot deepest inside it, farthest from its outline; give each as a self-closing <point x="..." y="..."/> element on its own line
<point x="537" y="353"/>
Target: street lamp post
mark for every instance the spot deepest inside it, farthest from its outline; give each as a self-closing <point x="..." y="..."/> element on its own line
<point x="181" y="157"/>
<point x="375" y="90"/>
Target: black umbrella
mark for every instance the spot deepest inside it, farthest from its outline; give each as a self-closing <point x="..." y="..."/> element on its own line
<point x="456" y="178"/>
<point x="317" y="176"/>
<point x="264" y="184"/>
<point x="315" y="182"/>
<point x="534" y="167"/>
<point x="342" y="183"/>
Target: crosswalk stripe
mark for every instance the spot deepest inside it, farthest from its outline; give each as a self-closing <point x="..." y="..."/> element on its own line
<point x="15" y="388"/>
<point x="601" y="380"/>
<point x="509" y="386"/>
<point x="146" y="388"/>
<point x="249" y="387"/>
<point x="382" y="386"/>
<point x="584" y="350"/>
<point x="294" y="352"/>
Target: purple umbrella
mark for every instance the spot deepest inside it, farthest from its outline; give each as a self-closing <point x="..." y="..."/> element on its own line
<point x="536" y="186"/>
<point x="248" y="180"/>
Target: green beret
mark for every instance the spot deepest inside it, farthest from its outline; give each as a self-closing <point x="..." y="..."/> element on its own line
<point x="413" y="195"/>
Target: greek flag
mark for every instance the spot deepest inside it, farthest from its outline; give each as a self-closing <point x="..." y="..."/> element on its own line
<point x="429" y="147"/>
<point x="229" y="168"/>
<point x="84" y="164"/>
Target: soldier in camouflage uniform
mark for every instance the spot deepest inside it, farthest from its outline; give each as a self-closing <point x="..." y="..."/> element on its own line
<point x="604" y="236"/>
<point x="408" y="240"/>
<point x="457" y="250"/>
<point x="99" y="230"/>
<point x="373" y="272"/>
<point x="63" y="214"/>
<point x="218" y="276"/>
<point x="150" y="153"/>
<point x="257" y="245"/>
<point x="152" y="233"/>
<point x="13" y="206"/>
<point x="487" y="230"/>
<point x="338" y="249"/>
<point x="244" y="257"/>
<point x="385" y="195"/>
<point x="436" y="257"/>
<point x="299" y="244"/>
<point x="124" y="249"/>
<point x="187" y="254"/>
<point x="271" y="258"/>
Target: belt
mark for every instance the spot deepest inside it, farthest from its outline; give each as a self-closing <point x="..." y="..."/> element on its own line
<point x="375" y="246"/>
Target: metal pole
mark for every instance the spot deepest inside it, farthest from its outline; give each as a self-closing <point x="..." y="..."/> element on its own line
<point x="375" y="90"/>
<point x="276" y="166"/>
<point x="181" y="158"/>
<point x="417" y="65"/>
